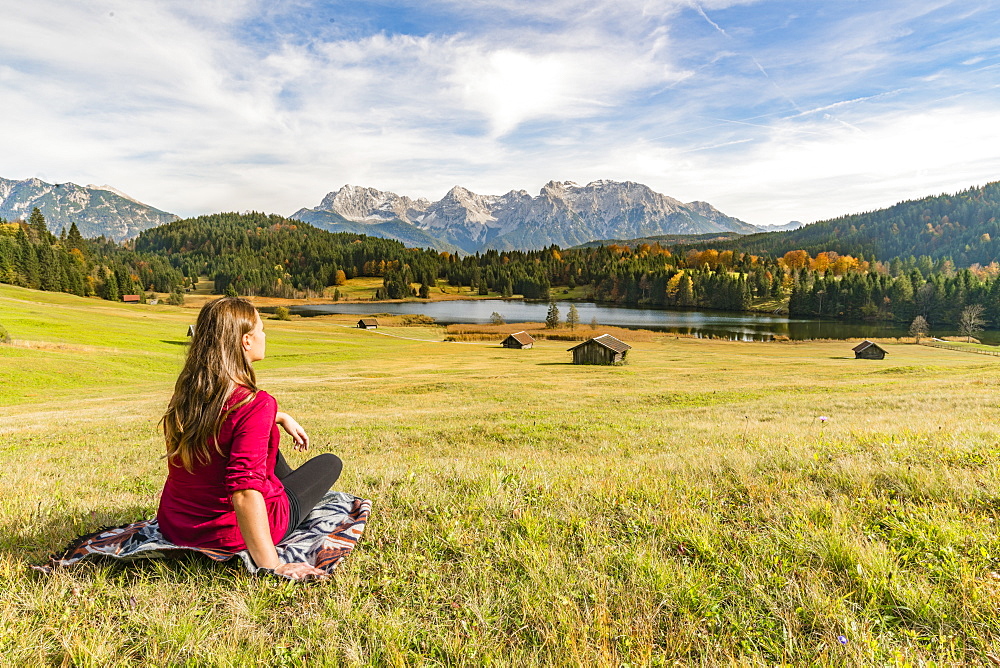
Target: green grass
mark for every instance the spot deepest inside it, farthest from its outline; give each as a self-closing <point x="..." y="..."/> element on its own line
<point x="689" y="508"/>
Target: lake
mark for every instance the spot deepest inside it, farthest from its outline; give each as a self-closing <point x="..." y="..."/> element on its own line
<point x="720" y="324"/>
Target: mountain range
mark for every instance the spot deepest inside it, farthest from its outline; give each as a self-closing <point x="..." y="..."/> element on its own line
<point x="563" y="213"/>
<point x="787" y="227"/>
<point x="96" y="210"/>
<point x="962" y="226"/>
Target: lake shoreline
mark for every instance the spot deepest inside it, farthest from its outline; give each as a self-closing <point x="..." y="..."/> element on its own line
<point x="699" y="323"/>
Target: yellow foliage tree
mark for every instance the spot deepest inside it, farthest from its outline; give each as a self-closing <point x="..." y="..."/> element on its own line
<point x="796" y="259"/>
<point x="673" y="284"/>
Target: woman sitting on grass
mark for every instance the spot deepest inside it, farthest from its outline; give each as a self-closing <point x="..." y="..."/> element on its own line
<point x="228" y="486"/>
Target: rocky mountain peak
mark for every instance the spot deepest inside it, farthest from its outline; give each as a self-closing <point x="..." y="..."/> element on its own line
<point x="97" y="211"/>
<point x="359" y="204"/>
<point x="563" y="213"/>
<point x="557" y="187"/>
<point x="458" y="192"/>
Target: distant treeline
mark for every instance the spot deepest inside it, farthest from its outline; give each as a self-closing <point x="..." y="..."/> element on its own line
<point x="269" y="255"/>
<point x="260" y="254"/>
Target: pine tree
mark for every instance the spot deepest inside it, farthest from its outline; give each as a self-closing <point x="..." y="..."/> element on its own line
<point x="685" y="291"/>
<point x="32" y="273"/>
<point x="506" y="287"/>
<point x="111" y="291"/>
<point x="552" y="318"/>
<point x="51" y="270"/>
<point x="36" y="221"/>
<point x="74" y="239"/>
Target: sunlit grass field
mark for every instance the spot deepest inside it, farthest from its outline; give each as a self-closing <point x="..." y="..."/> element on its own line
<point x="709" y="503"/>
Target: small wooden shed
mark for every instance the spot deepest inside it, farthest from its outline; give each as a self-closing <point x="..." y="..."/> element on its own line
<point x="603" y="349"/>
<point x="368" y="323"/>
<point x="521" y="340"/>
<point x="130" y="299"/>
<point x="868" y="350"/>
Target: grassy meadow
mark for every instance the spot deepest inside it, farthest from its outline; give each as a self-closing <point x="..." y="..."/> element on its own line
<point x="710" y="503"/>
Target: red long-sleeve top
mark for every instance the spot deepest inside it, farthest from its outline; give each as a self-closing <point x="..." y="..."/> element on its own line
<point x="196" y="509"/>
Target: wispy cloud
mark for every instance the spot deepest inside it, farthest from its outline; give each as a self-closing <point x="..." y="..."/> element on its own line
<point x="198" y="107"/>
<point x="845" y="103"/>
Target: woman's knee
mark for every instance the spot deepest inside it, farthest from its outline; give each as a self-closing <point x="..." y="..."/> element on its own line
<point x="327" y="462"/>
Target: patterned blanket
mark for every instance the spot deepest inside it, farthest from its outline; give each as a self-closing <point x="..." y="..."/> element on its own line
<point x="323" y="539"/>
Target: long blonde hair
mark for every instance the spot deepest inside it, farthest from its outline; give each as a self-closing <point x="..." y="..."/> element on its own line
<point x="216" y="365"/>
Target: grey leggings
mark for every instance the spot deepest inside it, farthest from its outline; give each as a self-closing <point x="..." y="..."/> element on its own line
<point x="306" y="485"/>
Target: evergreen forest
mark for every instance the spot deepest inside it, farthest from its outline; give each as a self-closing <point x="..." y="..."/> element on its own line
<point x="268" y="255"/>
<point x="963" y="227"/>
<point x="33" y="257"/>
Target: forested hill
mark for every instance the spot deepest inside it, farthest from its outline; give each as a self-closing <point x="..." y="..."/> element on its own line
<point x="267" y="254"/>
<point x="964" y="227"/>
<point x="260" y="254"/>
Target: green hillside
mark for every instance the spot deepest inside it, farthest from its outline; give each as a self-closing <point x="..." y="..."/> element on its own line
<point x="964" y="227"/>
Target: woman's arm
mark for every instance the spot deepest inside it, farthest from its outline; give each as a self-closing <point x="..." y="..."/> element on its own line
<point x="251" y="515"/>
<point x="300" y="440"/>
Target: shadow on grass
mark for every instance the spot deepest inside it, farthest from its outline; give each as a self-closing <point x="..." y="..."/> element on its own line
<point x="175" y="343"/>
<point x="48" y="539"/>
<point x="38" y="537"/>
<point x="178" y="567"/>
<point x="566" y="364"/>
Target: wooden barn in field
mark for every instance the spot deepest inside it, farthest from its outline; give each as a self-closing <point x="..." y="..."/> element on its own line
<point x="868" y="350"/>
<point x="603" y="349"/>
<point x="368" y="323"/>
<point x="521" y="340"/>
<point x="130" y="299"/>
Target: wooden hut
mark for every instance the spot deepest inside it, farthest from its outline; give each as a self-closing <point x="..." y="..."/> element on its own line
<point x="521" y="340"/>
<point x="603" y="349"/>
<point x="130" y="299"/>
<point x="368" y="323"/>
<point x="868" y="350"/>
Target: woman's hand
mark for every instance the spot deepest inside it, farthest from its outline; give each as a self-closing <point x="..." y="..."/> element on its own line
<point x="301" y="571"/>
<point x="251" y="516"/>
<point x="300" y="440"/>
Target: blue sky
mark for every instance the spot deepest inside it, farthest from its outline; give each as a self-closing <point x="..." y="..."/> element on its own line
<point x="771" y="111"/>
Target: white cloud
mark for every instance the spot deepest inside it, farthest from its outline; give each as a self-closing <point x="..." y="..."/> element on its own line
<point x="166" y="102"/>
<point x="105" y="85"/>
<point x="785" y="175"/>
<point x="510" y="87"/>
